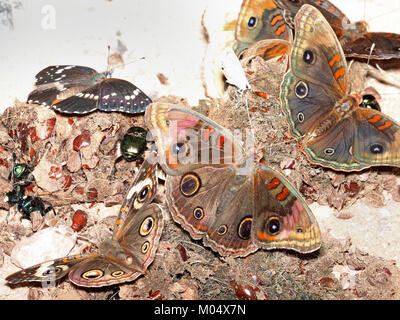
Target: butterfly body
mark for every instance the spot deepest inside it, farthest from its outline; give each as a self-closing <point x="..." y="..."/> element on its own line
<point x="344" y="109"/>
<point x="327" y="121"/>
<point x="228" y="200"/>
<point x="122" y="258"/>
<point x="80" y="90"/>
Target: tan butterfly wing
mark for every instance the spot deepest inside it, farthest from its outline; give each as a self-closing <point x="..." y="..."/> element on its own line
<point x="374" y="45"/>
<point x="331" y="128"/>
<point x="49" y="271"/>
<point x="126" y="259"/>
<point x="282" y="218"/>
<point x="213" y="203"/>
<point x="336" y="18"/>
<point x="259" y="20"/>
<point x="317" y="56"/>
<point x="142" y="192"/>
<point x="187" y="140"/>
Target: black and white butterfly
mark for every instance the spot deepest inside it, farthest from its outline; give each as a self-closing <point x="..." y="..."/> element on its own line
<point x="79" y="90"/>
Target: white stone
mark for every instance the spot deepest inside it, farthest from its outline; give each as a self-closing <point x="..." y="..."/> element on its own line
<point x="46" y="244"/>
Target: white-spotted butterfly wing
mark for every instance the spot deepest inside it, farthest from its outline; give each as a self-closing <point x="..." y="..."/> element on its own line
<point x="79" y="90"/>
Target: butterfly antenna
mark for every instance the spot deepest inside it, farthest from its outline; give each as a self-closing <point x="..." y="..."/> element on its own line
<point x="125" y="64"/>
<point x="348" y="69"/>
<point x="109" y="71"/>
<point x="370" y="52"/>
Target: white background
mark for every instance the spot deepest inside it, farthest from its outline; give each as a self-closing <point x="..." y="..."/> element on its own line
<point x="166" y="33"/>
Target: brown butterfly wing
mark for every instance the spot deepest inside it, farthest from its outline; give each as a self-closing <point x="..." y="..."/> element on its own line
<point x="366" y="138"/>
<point x="126" y="259"/>
<point x="316" y="82"/>
<point x="317" y="78"/>
<point x="211" y="203"/>
<point x="187" y="140"/>
<point x="336" y="18"/>
<point x="142" y="191"/>
<point x="48" y="271"/>
<point x="376" y="138"/>
<point x="141" y="236"/>
<point x="282" y="219"/>
<point x="334" y="149"/>
<point x="268" y="49"/>
<point x="198" y="189"/>
<point x="385" y="46"/>
<point x="317" y="56"/>
<point x="229" y="231"/>
<point x="259" y="20"/>
<point x="99" y="271"/>
<point x="303" y="113"/>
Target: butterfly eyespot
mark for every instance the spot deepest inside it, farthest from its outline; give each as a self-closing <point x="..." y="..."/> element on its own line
<point x="376" y="148"/>
<point x="190" y="184"/>
<point x="329" y="151"/>
<point x="396" y="49"/>
<point x="299" y="230"/>
<point x="93" y="274"/>
<point x="167" y="122"/>
<point x="244" y="229"/>
<point x="198" y="213"/>
<point x="52" y="271"/>
<point x="117" y="273"/>
<point x="222" y="230"/>
<point x="252" y="22"/>
<point x="145" y="247"/>
<point x="273" y="226"/>
<point x="143" y="193"/>
<point x="147" y="226"/>
<point x="301" y="90"/>
<point x="300" y="117"/>
<point x="308" y="56"/>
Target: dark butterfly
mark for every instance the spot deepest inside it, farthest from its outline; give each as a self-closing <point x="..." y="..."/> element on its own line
<point x="80" y="90"/>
